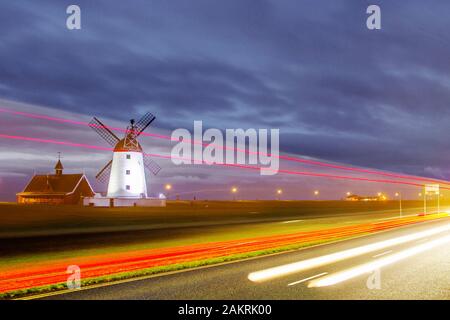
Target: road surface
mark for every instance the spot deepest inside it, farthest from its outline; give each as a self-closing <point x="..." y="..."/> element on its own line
<point x="421" y="271"/>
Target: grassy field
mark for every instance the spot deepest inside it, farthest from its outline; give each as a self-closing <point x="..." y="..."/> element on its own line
<point x="22" y="221"/>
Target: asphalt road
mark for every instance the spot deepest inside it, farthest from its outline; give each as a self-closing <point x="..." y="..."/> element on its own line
<point x="424" y="275"/>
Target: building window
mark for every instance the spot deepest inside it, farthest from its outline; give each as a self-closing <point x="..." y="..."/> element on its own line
<point x="127" y="187"/>
<point x="128" y="156"/>
<point x="127" y="172"/>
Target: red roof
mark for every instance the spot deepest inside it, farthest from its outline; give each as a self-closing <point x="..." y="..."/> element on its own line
<point x="120" y="147"/>
<point x="54" y="184"/>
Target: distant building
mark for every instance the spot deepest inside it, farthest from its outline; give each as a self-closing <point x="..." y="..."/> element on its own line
<point x="56" y="189"/>
<point x="354" y="197"/>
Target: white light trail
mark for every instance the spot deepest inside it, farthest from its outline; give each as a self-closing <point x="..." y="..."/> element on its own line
<point x="284" y="270"/>
<point x="371" y="266"/>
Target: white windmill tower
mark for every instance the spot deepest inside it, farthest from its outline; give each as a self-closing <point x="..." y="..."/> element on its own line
<point x="126" y="170"/>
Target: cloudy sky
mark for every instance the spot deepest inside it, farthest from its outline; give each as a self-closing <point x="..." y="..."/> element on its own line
<point x="336" y="90"/>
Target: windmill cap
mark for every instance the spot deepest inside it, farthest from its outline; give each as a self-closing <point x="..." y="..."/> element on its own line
<point x="120" y="147"/>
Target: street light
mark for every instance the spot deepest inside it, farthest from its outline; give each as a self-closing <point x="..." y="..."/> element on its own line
<point x="234" y="191"/>
<point x="399" y="195"/>
<point x="381" y="196"/>
<point x="316" y="193"/>
<point x="279" y="193"/>
<point x="168" y="187"/>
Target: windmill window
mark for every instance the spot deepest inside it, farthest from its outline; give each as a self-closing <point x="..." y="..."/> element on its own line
<point x="128" y="156"/>
<point x="127" y="187"/>
<point x="127" y="172"/>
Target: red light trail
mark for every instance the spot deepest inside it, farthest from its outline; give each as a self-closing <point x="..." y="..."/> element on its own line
<point x="241" y="166"/>
<point x="287" y="158"/>
<point x="51" y="141"/>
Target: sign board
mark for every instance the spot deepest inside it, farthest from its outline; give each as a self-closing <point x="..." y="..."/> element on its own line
<point x="432" y="188"/>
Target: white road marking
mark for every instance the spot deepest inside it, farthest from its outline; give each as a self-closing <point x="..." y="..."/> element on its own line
<point x="382" y="254"/>
<point x="398" y="216"/>
<point x="291" y="221"/>
<point x="306" y="279"/>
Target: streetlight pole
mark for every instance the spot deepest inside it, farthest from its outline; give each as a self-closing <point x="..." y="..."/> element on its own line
<point x="439" y="201"/>
<point x="424" y="201"/>
<point x="399" y="195"/>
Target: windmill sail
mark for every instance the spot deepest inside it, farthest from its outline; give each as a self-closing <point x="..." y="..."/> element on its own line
<point x="151" y="165"/>
<point x="103" y="174"/>
<point x="104" y="132"/>
<point x="144" y="122"/>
